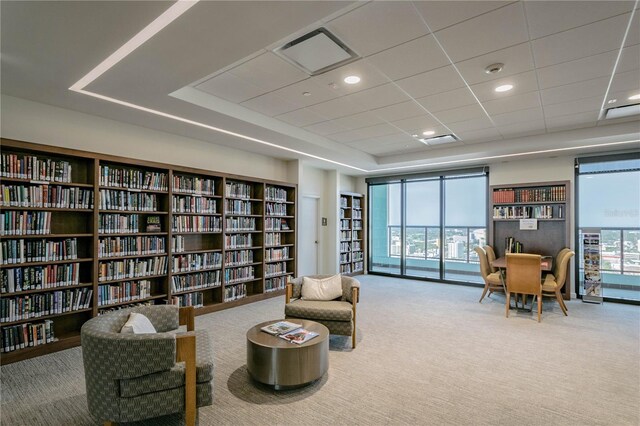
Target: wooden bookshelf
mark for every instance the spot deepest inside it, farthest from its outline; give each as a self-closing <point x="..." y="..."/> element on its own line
<point x="189" y="207"/>
<point x="548" y="202"/>
<point x="352" y="233"/>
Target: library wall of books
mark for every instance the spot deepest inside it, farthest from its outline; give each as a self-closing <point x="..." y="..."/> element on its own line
<point x="351" y="234"/>
<point x="82" y="234"/>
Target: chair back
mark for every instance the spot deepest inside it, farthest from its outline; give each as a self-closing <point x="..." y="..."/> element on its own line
<point x="558" y="261"/>
<point x="524" y="273"/>
<point x="491" y="256"/>
<point x="484" y="262"/>
<point x="561" y="275"/>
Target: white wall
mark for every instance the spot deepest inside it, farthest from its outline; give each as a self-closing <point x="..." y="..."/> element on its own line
<point x="34" y="122"/>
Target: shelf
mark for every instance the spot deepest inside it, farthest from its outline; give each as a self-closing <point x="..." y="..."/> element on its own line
<point x="247" y="280"/>
<point x="50" y="262"/>
<point x="46" y="290"/>
<point x="217" y="268"/>
<point x="538" y="219"/>
<point x="117" y="188"/>
<point x="43" y="182"/>
<point x="177" y="253"/>
<point x="47" y="209"/>
<point x="193" y="290"/>
<point x="234" y="231"/>
<point x="242" y="215"/>
<point x="119" y="280"/>
<point x="243" y="248"/>
<point x="17" y="237"/>
<point x="242" y="198"/>
<point x="159" y="296"/>
<point x="130" y="256"/>
<point x="190" y="194"/>
<point x="529" y="203"/>
<point x="280" y="230"/>
<point x="241" y="265"/>
<point x="279" y="245"/>
<point x="44" y="317"/>
<point x="131" y="234"/>
<point x="195" y="214"/>
<point x="280" y="260"/>
<point x="279" y="274"/>
<point x="195" y="232"/>
<point x="132" y="212"/>
<point x="279" y="201"/>
<point x="278" y="216"/>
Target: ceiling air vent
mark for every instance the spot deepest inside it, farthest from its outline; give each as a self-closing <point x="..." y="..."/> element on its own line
<point x="437" y="140"/>
<point x="623" y="111"/>
<point x="317" y="52"/>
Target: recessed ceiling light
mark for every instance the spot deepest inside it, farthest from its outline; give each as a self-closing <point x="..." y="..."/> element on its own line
<point x="504" y="88"/>
<point x="634" y="97"/>
<point x="352" y="79"/>
<point x="612" y="101"/>
<point x="306" y="93"/>
<point x="494" y="68"/>
<point x="415" y="136"/>
<point x="428" y="132"/>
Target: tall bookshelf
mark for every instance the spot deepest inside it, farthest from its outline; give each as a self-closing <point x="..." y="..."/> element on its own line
<point x="351" y="233"/>
<point x="98" y="233"/>
<point x="547" y="202"/>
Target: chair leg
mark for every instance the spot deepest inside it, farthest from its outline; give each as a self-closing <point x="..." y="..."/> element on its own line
<point x="486" y="287"/>
<point x="559" y="297"/>
<point x="508" y="304"/>
<point x="539" y="307"/>
<point x="561" y="303"/>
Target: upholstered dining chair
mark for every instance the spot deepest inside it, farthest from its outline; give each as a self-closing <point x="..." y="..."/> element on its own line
<point x="553" y="283"/>
<point x="492" y="280"/>
<point x="131" y="377"/>
<point x="491" y="256"/>
<point x="524" y="277"/>
<point x="556" y="265"/>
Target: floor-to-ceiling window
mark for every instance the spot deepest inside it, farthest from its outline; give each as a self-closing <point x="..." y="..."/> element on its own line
<point x="427" y="225"/>
<point x="608" y="202"/>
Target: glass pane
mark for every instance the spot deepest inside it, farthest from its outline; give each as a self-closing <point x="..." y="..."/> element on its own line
<point x="385" y="213"/>
<point x="423" y="229"/>
<point x="465" y="227"/>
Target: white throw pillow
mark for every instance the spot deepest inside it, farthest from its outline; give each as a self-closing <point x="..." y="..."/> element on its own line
<point x="321" y="289"/>
<point x="138" y="324"/>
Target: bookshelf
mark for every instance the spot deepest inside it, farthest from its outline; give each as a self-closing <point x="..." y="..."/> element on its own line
<point x="104" y="232"/>
<point x="351" y="233"/>
<point x="547" y="202"/>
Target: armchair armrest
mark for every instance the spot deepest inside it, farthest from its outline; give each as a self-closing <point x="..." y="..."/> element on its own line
<point x="186" y="352"/>
<point x="187" y="317"/>
<point x="289" y="292"/>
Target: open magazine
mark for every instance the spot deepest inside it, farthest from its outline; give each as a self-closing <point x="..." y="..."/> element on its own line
<point x="289" y="331"/>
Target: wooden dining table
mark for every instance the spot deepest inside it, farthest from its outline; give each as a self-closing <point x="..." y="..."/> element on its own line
<point x="546" y="264"/>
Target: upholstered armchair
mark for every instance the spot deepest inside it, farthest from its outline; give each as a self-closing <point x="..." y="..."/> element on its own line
<point x="339" y="315"/>
<point x="131" y="377"/>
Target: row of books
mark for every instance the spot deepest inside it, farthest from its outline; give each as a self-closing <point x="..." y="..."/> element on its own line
<point x="272" y="239"/>
<point x="39" y="277"/>
<point x="195" y="299"/>
<point x="238" y="240"/>
<point x="18" y="166"/>
<point x="114" y="223"/>
<point x="345" y="224"/>
<point x="121" y="177"/>
<point x="23" y="251"/>
<point x="189" y="204"/>
<point x="357" y="203"/>
<point x="357" y="224"/>
<point x="240" y="224"/>
<point x="276" y="209"/>
<point x="273" y="193"/>
<point x="243" y="273"/>
<point x="345" y="235"/>
<point x="525" y="212"/>
<point x="104" y="310"/>
<point x="111" y="199"/>
<point x="344" y="202"/>
<point x="345" y="257"/>
<point x="194" y="185"/>
<point x="358" y="256"/>
<point x="46" y="196"/>
<point x="132" y="268"/>
<point x="272" y="269"/>
<point x="196" y="261"/>
<point x="196" y="224"/>
<point x="237" y="190"/>
<point x="345" y="247"/>
<point x="275" y="224"/>
<point x="358" y="266"/>
<point x="274" y="284"/>
<point x="238" y="257"/>
<point x="345" y="269"/>
<point x="178" y="244"/>
<point x="237" y="207"/>
<point x="27" y="335"/>
<point x="196" y="281"/>
<point x="528" y="195"/>
<point x="357" y="246"/>
<point x="356" y="214"/>
<point x="42" y="304"/>
<point x="131" y="246"/>
<point x="513" y="246"/>
<point x="235" y="292"/>
<point x="127" y="291"/>
<point x="25" y="223"/>
<point x="276" y="254"/>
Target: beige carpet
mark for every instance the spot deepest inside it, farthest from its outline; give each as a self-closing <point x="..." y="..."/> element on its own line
<point x="427" y="354"/>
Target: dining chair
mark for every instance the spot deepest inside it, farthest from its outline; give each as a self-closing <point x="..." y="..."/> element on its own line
<point x="492" y="280"/>
<point x="491" y="256"/>
<point x="556" y="264"/>
<point x="553" y="283"/>
<point x="524" y="273"/>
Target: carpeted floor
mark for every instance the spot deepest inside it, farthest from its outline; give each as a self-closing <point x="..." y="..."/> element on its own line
<point x="427" y="354"/>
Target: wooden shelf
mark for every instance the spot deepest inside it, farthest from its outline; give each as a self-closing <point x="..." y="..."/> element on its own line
<point x="43" y="182"/>
<point x="119" y="280"/>
<point x="195" y="214"/>
<point x="132" y="234"/>
<point x="117" y="188"/>
<point x="44" y="317"/>
<point x="177" y="253"/>
<point x="193" y="290"/>
<point x="50" y="262"/>
<point x="71" y="340"/>
<point x="128" y="302"/>
<point x="132" y="212"/>
<point x="348" y="201"/>
<point x="217" y="268"/>
<point x="130" y="256"/>
<point x="46" y="290"/>
<point x="48" y="209"/>
<point x="46" y="236"/>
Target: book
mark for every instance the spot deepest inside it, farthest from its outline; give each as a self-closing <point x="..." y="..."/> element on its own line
<point x="298" y="336"/>
<point x="281" y="327"/>
<point x="153" y="223"/>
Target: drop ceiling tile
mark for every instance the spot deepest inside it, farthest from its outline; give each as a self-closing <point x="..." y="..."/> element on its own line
<point x="395" y="139"/>
<point x="574" y="91"/>
<point x="629" y="59"/>
<point x="326" y="128"/>
<point x="399" y="111"/>
<point x="580" y="42"/>
<point x="629" y="80"/>
<point x="228" y="86"/>
<point x="520" y="116"/>
<point x="577" y="70"/>
<point x="269" y="104"/>
<point x="455" y="115"/>
<point x="339" y="107"/>
<point x="370" y="77"/>
<point x="479" y="136"/>
<point x="431" y="82"/>
<point x="470" y="125"/>
<point x="377" y="26"/>
<point x="268" y="71"/>
<point x="549" y="17"/>
<point x="301" y="117"/>
<point x="441" y="14"/>
<point x="522" y="83"/>
<point x="492" y="31"/>
<point x="377" y="97"/>
<point x="364" y="133"/>
<point x="518" y="130"/>
<point x="512" y="103"/>
<point x="634" y="31"/>
<point x="591" y="104"/>
<point x="410" y="58"/>
<point x="357" y="121"/>
<point x="448" y="100"/>
<point x="295" y="93"/>
<point x="516" y="59"/>
<point x="622" y="98"/>
<point x="417" y="125"/>
<point x="572" y="121"/>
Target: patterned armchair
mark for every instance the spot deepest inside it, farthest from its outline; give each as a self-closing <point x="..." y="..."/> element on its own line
<point x="130" y="377"/>
<point x="339" y="316"/>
